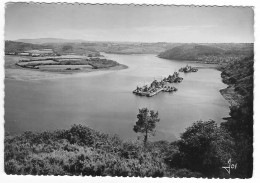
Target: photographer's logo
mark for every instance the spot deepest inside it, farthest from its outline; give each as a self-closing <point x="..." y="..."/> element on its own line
<point x="230" y="166"/>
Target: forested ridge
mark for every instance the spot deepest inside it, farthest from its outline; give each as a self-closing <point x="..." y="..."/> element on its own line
<point x="215" y="53"/>
<point x="239" y="75"/>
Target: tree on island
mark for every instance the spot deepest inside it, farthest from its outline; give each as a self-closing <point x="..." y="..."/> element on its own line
<point x="146" y="123"/>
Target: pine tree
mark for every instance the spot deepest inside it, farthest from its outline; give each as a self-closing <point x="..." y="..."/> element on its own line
<point x="146" y="123"/>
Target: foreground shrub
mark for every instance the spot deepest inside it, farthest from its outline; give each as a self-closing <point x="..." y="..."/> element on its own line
<point x="204" y="147"/>
<point x="79" y="151"/>
<point x="201" y="151"/>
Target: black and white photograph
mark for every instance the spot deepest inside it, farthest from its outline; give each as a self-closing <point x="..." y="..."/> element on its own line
<point x="128" y="90"/>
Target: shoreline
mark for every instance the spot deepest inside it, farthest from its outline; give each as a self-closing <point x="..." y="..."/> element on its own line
<point x="205" y="65"/>
<point x="229" y="92"/>
<point x="230" y="95"/>
<point x="32" y="75"/>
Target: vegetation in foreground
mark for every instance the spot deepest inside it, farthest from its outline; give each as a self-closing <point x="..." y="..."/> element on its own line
<point x="84" y="151"/>
<point x="201" y="151"/>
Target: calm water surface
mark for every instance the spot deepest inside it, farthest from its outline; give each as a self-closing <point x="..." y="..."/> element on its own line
<point x="104" y="100"/>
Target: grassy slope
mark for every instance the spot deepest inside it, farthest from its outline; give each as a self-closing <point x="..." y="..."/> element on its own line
<point x="12" y="46"/>
<point x="61" y="48"/>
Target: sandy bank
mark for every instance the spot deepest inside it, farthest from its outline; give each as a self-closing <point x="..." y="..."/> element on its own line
<point x="231" y="95"/>
<point x="30" y="74"/>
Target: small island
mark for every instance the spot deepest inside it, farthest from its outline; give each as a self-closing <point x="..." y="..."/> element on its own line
<point x="188" y="69"/>
<point x="159" y="86"/>
<point x="175" y="78"/>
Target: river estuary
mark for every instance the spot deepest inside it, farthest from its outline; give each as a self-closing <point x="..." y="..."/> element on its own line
<point x="104" y="100"/>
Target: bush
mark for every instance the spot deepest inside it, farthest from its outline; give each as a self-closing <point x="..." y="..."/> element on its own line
<point x="79" y="151"/>
<point x="187" y="173"/>
<point x="204" y="147"/>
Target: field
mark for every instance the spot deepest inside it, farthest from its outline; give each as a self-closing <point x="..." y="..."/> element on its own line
<point x="40" y="62"/>
<point x="40" y="51"/>
<point x="64" y="67"/>
<point x="10" y="61"/>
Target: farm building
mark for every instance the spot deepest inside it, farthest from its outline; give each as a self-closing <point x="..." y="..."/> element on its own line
<point x="45" y="49"/>
<point x="36" y="55"/>
<point x="10" y="53"/>
<point x="24" y="54"/>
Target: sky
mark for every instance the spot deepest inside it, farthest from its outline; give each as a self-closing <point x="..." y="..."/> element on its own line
<point x="129" y="23"/>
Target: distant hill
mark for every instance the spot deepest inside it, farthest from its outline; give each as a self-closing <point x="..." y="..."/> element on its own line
<point x="193" y="52"/>
<point x="138" y="48"/>
<point x="65" y="46"/>
<point x="190" y="52"/>
<point x="174" y="51"/>
<point x="12" y="46"/>
<point x="49" y="40"/>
